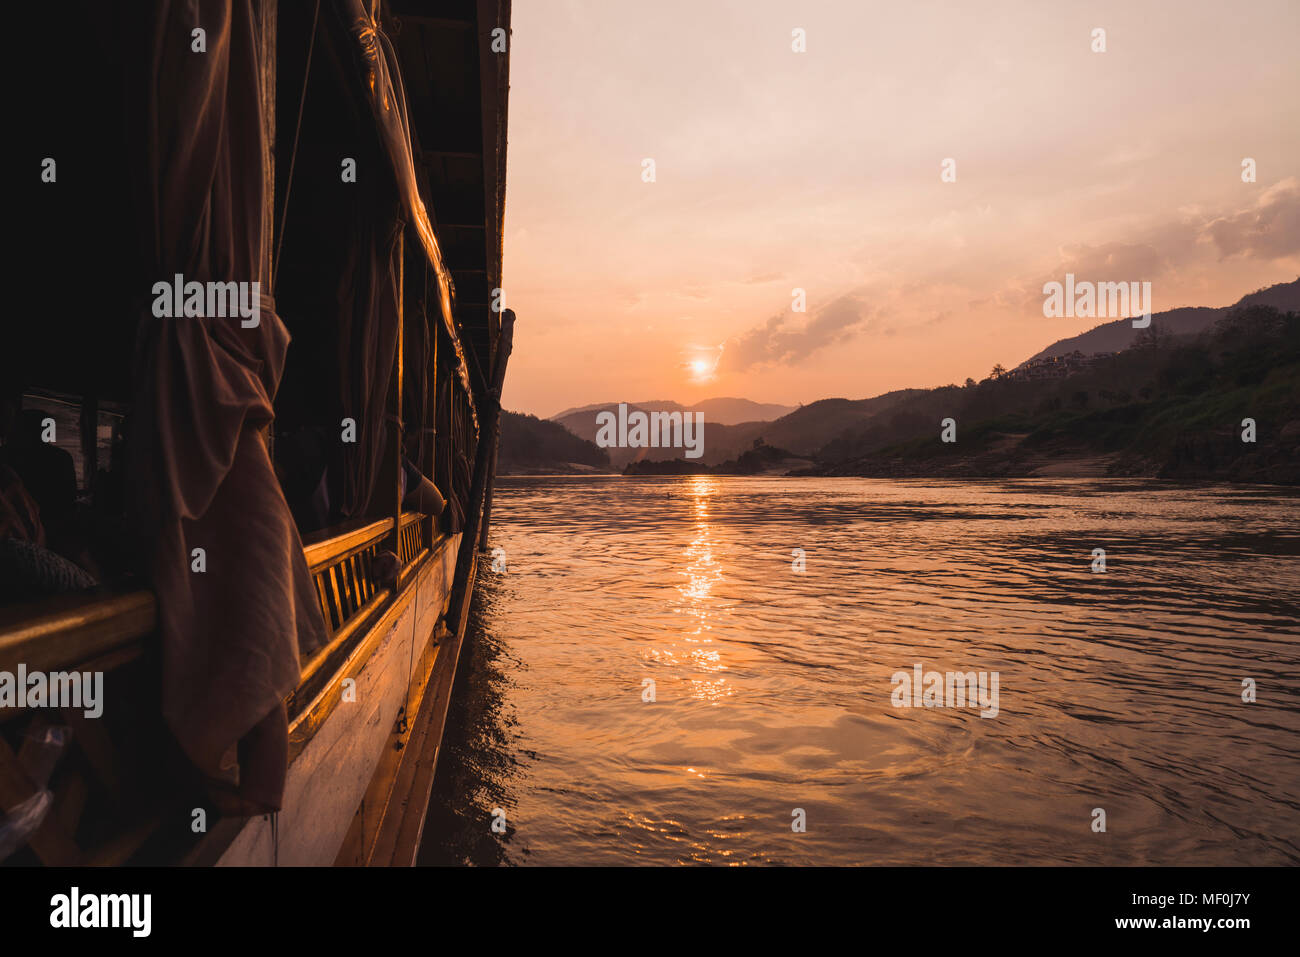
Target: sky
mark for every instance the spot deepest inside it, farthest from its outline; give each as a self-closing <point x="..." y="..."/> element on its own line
<point x="822" y="171"/>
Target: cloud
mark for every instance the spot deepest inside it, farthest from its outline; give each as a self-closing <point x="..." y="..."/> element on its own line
<point x="1266" y="230"/>
<point x="1269" y="230"/>
<point x="777" y="342"/>
<point x="1105" y="262"/>
<point x="1112" y="262"/>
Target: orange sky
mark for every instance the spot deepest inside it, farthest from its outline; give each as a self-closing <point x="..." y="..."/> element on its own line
<point x="821" y="170"/>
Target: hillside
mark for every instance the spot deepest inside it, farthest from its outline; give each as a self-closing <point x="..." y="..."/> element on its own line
<point x="802" y="431"/>
<point x="1120" y="334"/>
<point x="531" y="445"/>
<point x="723" y="411"/>
<point x="1159" y="401"/>
<point x="1169" y="407"/>
<point x="762" y="459"/>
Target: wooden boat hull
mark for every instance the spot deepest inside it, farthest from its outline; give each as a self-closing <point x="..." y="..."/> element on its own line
<point x="329" y="779"/>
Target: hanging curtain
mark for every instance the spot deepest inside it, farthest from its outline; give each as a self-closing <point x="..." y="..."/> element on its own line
<point x="235" y="617"/>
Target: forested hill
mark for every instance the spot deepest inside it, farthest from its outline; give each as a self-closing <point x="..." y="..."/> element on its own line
<point x="1172" y="407"/>
<point x="533" y="445"/>
<point x="1120" y="334"/>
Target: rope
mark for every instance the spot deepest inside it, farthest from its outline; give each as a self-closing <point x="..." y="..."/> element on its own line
<point x="293" y="155"/>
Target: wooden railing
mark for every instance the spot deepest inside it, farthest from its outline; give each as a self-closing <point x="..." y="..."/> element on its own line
<point x="343" y="569"/>
<point x="413" y="541"/>
<point x="85" y="630"/>
<point x="97" y="630"/>
<point x="105" y="631"/>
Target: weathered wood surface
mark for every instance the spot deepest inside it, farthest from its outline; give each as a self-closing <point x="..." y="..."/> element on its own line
<point x="329" y="777"/>
<point x="398" y="839"/>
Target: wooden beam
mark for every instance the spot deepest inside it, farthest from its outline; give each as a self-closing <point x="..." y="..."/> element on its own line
<point x="487" y="502"/>
<point x="494" y="85"/>
<point x="70" y="629"/>
<point x="397" y="842"/>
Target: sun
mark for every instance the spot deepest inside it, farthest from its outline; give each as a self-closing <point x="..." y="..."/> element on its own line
<point x="701" y="362"/>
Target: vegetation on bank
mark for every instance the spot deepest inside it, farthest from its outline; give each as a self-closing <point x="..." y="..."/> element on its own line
<point x="1169" y="407"/>
<point x="1171" y="403"/>
<point x="529" y="444"/>
<point x="759" y="460"/>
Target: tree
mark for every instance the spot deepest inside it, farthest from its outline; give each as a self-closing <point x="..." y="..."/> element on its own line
<point x="1153" y="337"/>
<point x="998" y="372"/>
<point x="970" y="383"/>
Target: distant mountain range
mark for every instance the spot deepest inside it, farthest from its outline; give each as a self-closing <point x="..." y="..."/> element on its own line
<point x="529" y="444"/>
<point x="850" y="435"/>
<point x="723" y="411"/>
<point x="803" y="430"/>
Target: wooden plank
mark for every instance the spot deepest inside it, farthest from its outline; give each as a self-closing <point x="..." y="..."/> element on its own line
<point x="324" y="604"/>
<point x="57" y="633"/>
<point x="341" y="636"/>
<point x="328" y="780"/>
<point x="323" y="703"/>
<point x="402" y="828"/>
<point x="340" y="611"/>
<point x="359" y="844"/>
<point x="352" y="600"/>
<point x="336" y="547"/>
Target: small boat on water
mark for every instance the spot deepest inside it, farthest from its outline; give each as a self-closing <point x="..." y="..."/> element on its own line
<point x="249" y="446"/>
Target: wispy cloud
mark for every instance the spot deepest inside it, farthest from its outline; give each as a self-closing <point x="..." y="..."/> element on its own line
<point x="1268" y="230"/>
<point x="780" y="341"/>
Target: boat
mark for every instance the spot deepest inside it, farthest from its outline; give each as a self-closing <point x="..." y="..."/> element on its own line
<point x="279" y="506"/>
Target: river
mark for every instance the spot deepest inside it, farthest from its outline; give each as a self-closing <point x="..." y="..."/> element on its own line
<point x="772" y="616"/>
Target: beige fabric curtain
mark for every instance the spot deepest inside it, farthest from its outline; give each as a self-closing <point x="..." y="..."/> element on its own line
<point x="202" y="477"/>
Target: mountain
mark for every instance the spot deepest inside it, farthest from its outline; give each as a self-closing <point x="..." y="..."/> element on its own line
<point x="1162" y="404"/>
<point x="1119" y="335"/>
<point x="530" y="444"/>
<point x="802" y="431"/>
<point x="1222" y="404"/>
<point x="727" y="411"/>
<point x="720" y="441"/>
<point x="723" y="411"/>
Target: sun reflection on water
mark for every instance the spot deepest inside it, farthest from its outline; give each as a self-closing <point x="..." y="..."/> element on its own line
<point x="702" y="572"/>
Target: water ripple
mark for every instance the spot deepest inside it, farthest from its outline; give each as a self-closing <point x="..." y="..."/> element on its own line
<point x="1119" y="690"/>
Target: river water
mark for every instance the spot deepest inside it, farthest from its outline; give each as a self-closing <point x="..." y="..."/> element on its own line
<point x="773" y="688"/>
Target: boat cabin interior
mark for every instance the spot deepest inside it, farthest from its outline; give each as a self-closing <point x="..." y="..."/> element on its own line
<point x="344" y="162"/>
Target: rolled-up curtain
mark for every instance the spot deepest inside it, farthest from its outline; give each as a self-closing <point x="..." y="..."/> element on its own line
<point x="235" y="617"/>
<point x="387" y="98"/>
